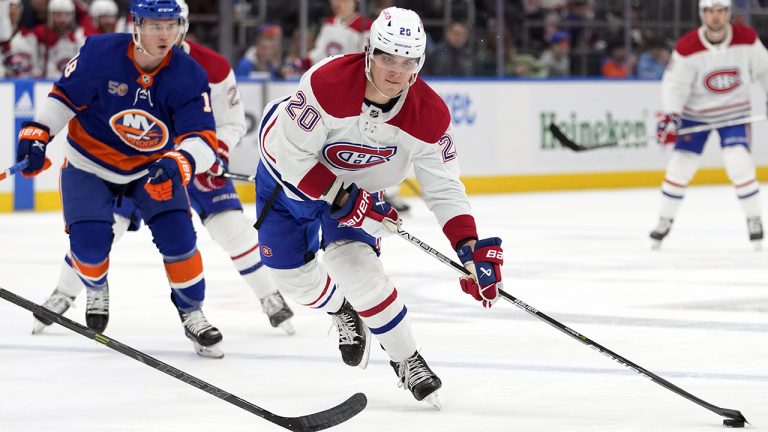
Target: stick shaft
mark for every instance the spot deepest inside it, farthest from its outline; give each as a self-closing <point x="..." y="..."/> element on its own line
<point x="572" y="333"/>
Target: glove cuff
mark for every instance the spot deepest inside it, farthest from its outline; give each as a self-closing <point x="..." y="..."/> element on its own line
<point x="31" y="130"/>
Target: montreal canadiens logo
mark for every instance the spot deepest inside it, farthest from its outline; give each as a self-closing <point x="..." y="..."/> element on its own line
<point x="353" y="157"/>
<point x="140" y="130"/>
<point x="722" y="81"/>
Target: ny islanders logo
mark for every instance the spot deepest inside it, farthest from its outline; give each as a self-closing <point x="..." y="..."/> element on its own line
<point x="139" y="129"/>
<point x="354" y="157"/>
<point x="722" y="81"/>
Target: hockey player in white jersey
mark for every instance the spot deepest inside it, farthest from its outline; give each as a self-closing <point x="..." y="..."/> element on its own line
<point x="707" y="81"/>
<point x="213" y="197"/>
<point x="356" y="125"/>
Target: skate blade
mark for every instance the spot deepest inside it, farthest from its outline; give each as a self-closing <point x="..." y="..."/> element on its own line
<point x="433" y="400"/>
<point x="758" y="245"/>
<point x="287" y="327"/>
<point x="367" y="353"/>
<point x="214" y="351"/>
<point x="655" y="244"/>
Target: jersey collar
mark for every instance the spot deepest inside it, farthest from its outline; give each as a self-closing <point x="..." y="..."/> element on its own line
<point x="146" y="79"/>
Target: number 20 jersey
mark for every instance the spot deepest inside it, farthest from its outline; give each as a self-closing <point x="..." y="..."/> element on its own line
<point x="126" y="118"/>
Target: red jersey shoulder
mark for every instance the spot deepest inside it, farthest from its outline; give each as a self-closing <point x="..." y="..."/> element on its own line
<point x="360" y="24"/>
<point x="743" y="35"/>
<point x="339" y="85"/>
<point x="689" y="43"/>
<point x="424" y="115"/>
<point x="216" y="65"/>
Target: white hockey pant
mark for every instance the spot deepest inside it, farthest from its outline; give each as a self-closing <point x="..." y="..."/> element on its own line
<point x="234" y="232"/>
<point x="680" y="170"/>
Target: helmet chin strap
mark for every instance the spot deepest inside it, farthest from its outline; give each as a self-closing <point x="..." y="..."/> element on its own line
<point x="369" y="77"/>
<point x="137" y="41"/>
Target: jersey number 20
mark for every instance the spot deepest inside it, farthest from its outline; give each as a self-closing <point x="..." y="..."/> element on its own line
<point x="305" y="115"/>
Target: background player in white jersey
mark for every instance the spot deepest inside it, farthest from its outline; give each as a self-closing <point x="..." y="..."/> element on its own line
<point x="707" y="81"/>
<point x="140" y="127"/>
<point x="212" y="196"/>
<point x="360" y="123"/>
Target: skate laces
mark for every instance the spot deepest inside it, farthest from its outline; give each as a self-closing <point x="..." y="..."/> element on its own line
<point x="59" y="302"/>
<point x="98" y="301"/>
<point x="273" y="304"/>
<point x="412" y="371"/>
<point x="345" y="324"/>
<point x="196" y="323"/>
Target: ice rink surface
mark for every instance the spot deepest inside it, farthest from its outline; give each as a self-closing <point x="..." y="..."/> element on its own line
<point x="694" y="312"/>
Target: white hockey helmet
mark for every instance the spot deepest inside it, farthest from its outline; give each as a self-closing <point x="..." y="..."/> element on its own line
<point x="398" y="32"/>
<point x="703" y="4"/>
<point x="101" y="8"/>
<point x="184" y="18"/>
<point x="61" y="6"/>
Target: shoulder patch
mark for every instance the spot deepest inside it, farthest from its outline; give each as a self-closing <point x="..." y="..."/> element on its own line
<point x="743" y="35"/>
<point x="424" y="115"/>
<point x="216" y="66"/>
<point x="689" y="43"/>
<point x="339" y="85"/>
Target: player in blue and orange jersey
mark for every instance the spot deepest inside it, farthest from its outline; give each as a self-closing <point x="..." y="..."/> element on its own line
<point x="140" y="128"/>
<point x="212" y="196"/>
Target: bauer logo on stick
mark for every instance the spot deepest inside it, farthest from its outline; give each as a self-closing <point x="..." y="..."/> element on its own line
<point x="139" y="130"/>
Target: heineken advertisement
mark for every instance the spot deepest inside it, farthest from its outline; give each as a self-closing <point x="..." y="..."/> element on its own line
<point x="632" y="132"/>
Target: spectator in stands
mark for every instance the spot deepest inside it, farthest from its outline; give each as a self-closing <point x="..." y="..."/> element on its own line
<point x="523" y="65"/>
<point x="295" y="65"/>
<point x="344" y="33"/>
<point x="616" y="64"/>
<point x="58" y="41"/>
<point x="577" y="20"/>
<point x="104" y="18"/>
<point x="652" y="62"/>
<point x="557" y="58"/>
<point x="35" y="14"/>
<point x="264" y="58"/>
<point x="20" y="54"/>
<point x="451" y="57"/>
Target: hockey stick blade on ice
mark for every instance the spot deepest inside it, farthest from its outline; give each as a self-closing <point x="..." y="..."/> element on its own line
<point x="306" y="423"/>
<point x="732" y="416"/>
<point x="571" y="144"/>
<point x="13" y="169"/>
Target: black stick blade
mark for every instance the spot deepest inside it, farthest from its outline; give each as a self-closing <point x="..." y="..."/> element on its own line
<point x="569" y="143"/>
<point x="325" y="419"/>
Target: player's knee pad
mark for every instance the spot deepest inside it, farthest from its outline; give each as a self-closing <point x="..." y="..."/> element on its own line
<point x="739" y="164"/>
<point x="234" y="231"/>
<point x="90" y="241"/>
<point x="173" y="233"/>
<point x="309" y="285"/>
<point x="682" y="166"/>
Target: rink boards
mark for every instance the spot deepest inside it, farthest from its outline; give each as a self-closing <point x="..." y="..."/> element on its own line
<point x="500" y="135"/>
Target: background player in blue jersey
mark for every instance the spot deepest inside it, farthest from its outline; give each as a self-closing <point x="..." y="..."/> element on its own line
<point x="212" y="196"/>
<point x="140" y="126"/>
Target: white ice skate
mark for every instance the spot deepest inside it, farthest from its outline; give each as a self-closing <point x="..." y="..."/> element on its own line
<point x="205" y="338"/>
<point x="755" y="227"/>
<point x="278" y="312"/>
<point x="58" y="302"/>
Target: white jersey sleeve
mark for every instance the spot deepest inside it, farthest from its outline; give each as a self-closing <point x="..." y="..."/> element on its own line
<point x="228" y="111"/>
<point x="6" y="29"/>
<point x="301" y="131"/>
<point x="759" y="64"/>
<point x="677" y="83"/>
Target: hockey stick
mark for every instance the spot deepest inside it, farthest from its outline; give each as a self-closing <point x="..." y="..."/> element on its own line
<point x="733" y="417"/>
<point x="567" y="142"/>
<point x="236" y="176"/>
<point x="307" y="423"/>
<point x="13" y="169"/>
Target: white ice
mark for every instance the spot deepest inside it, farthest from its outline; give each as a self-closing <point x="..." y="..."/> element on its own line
<point x="694" y="312"/>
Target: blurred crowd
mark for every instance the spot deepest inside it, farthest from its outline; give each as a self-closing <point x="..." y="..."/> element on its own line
<point x="542" y="38"/>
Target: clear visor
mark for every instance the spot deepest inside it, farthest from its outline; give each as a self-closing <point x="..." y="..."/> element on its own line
<point x="396" y="63"/>
<point x="171" y="28"/>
